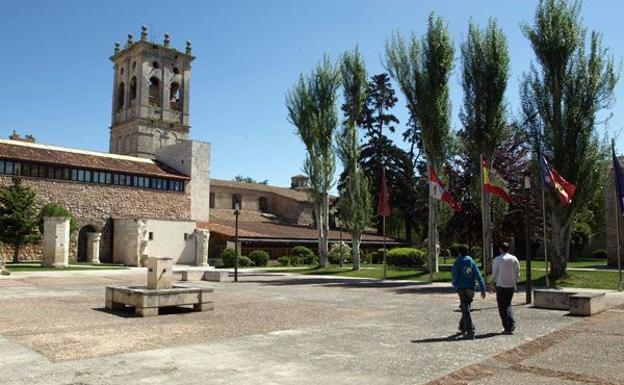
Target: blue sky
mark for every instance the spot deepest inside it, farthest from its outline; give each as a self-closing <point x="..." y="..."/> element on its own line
<point x="57" y="77"/>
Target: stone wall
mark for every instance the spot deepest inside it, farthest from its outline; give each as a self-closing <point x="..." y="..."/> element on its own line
<point x="95" y="205"/>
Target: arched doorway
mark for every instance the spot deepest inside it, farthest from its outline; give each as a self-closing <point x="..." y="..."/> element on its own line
<point x="82" y="242"/>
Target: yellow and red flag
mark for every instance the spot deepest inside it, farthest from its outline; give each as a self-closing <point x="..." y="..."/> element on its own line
<point x="493" y="187"/>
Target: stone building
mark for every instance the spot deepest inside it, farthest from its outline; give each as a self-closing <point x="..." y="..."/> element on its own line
<point x="152" y="193"/>
<point x="610" y="209"/>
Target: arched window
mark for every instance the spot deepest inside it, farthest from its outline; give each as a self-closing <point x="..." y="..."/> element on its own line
<point x="133" y="88"/>
<point x="154" y="91"/>
<point x="174" y="96"/>
<point x="263" y="204"/>
<point x="121" y="91"/>
<point x="236" y="198"/>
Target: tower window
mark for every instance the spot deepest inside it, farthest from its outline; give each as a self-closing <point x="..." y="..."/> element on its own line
<point x="212" y="200"/>
<point x="174" y="96"/>
<point x="154" y="91"/>
<point x="236" y="199"/>
<point x="176" y="70"/>
<point x="133" y="65"/>
<point x="120" y="96"/>
<point x="155" y="64"/>
<point x="133" y="88"/>
<point x="121" y="71"/>
<point x="263" y="204"/>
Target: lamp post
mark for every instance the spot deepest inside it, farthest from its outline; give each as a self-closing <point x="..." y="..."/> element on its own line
<point x="527" y="247"/>
<point x="236" y="214"/>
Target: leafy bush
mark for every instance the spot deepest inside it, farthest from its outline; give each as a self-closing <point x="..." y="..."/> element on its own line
<point x="56" y="210"/>
<point x="228" y="256"/>
<point x="454" y="250"/>
<point x="305" y="254"/>
<point x="406" y="257"/>
<point x="259" y="257"/>
<point x="378" y="256"/>
<point x="338" y="252"/>
<point x="295" y="261"/>
<point x="368" y="257"/>
<point x="284" y="261"/>
<point x="600" y="253"/>
<point x="244" y="261"/>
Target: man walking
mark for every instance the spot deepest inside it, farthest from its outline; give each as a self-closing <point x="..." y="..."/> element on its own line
<point x="465" y="273"/>
<point x="506" y="272"/>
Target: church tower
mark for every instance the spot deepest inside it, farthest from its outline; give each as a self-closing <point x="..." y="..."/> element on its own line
<point x="151" y="92"/>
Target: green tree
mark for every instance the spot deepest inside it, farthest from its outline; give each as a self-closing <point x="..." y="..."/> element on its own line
<point x="422" y="70"/>
<point x="56" y="210"/>
<point x="355" y="204"/>
<point x="248" y="179"/>
<point x="312" y="110"/>
<point x="485" y="70"/>
<point x="560" y="100"/>
<point x="18" y="216"/>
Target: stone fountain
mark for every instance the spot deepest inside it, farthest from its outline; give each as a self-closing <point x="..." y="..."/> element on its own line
<point x="159" y="292"/>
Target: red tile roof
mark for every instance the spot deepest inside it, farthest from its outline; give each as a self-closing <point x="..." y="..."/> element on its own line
<point x="43" y="154"/>
<point x="267" y="230"/>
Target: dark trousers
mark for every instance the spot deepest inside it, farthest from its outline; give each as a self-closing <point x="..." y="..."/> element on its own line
<point x="465" y="300"/>
<point x="503" y="299"/>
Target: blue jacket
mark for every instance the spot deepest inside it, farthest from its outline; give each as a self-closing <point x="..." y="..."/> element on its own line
<point x="465" y="273"/>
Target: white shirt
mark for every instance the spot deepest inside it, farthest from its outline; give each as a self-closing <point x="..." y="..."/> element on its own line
<point x="506" y="270"/>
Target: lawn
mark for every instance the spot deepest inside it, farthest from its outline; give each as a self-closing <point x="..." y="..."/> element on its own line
<point x="34" y="267"/>
<point x="585" y="279"/>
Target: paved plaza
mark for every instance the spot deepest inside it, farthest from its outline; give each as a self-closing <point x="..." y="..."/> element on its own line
<point x="288" y="329"/>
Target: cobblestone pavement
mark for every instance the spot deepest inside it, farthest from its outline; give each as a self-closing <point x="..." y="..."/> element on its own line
<point x="287" y="329"/>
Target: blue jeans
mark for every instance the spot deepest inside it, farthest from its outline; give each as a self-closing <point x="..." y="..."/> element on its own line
<point x="465" y="300"/>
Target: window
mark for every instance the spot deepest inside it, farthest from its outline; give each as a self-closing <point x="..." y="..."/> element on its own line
<point x="174" y="96"/>
<point x="212" y="200"/>
<point x="58" y="173"/>
<point x="155" y="64"/>
<point x="236" y="198"/>
<point x="74" y="175"/>
<point x="121" y="71"/>
<point x="133" y="88"/>
<point x="9" y="168"/>
<point x="176" y="70"/>
<point x="26" y="167"/>
<point x="81" y="176"/>
<point x="154" y="91"/>
<point x="150" y="236"/>
<point x="17" y="169"/>
<point x="133" y="65"/>
<point x="263" y="204"/>
<point x="120" y="96"/>
<point x="1" y="167"/>
<point x="87" y="176"/>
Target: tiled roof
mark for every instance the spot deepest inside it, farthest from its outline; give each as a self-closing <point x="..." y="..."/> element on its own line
<point x="267" y="230"/>
<point x="300" y="196"/>
<point x="38" y="153"/>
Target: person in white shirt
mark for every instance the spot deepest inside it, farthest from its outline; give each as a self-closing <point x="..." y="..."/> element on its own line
<point x="506" y="272"/>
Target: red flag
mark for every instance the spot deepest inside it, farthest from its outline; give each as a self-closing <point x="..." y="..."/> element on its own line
<point x="564" y="189"/>
<point x="438" y="191"/>
<point x="493" y="187"/>
<point x="383" y="206"/>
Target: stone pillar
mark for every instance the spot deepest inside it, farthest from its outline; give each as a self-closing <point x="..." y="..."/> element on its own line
<point x="55" y="242"/>
<point x="201" y="247"/>
<point x="93" y="247"/>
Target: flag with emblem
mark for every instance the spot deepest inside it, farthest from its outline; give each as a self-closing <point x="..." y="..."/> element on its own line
<point x="551" y="178"/>
<point x="438" y="191"/>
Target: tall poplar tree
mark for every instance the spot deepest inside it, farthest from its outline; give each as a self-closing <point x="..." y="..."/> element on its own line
<point x="560" y="98"/>
<point x="485" y="70"/>
<point x="355" y="199"/>
<point x="422" y="69"/>
<point x="312" y="110"/>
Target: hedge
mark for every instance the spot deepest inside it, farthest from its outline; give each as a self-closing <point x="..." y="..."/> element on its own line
<point x="406" y="257"/>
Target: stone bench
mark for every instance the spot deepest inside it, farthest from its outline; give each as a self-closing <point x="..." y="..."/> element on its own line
<point x="552" y="299"/>
<point x="146" y="302"/>
<point x="217" y="276"/>
<point x="587" y="304"/>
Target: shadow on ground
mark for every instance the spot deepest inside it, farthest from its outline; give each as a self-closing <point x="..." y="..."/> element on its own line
<point x="454" y="338"/>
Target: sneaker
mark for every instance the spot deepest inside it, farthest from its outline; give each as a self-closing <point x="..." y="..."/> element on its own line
<point x="469" y="336"/>
<point x="508" y="332"/>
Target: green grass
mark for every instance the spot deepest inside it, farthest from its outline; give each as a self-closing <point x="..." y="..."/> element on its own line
<point x="583" y="279"/>
<point x="34" y="267"/>
<point x="593" y="263"/>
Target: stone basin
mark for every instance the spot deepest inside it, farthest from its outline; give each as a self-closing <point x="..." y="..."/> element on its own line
<point x="146" y="302"/>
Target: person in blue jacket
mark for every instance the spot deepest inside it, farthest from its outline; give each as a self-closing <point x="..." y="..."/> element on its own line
<point x="465" y="276"/>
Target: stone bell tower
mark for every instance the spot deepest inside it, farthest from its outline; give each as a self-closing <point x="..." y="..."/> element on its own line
<point x="151" y="89"/>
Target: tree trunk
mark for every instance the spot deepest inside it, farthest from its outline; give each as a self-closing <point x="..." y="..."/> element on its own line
<point x="433" y="235"/>
<point x="560" y="243"/>
<point x="16" y="251"/>
<point x="325" y="221"/>
<point x="355" y="244"/>
<point x="319" y="227"/>
<point x="488" y="258"/>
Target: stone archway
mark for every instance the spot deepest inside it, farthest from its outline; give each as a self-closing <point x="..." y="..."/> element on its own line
<point x="81" y="255"/>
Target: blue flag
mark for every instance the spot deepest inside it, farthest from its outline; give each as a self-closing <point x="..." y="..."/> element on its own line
<point x="618" y="174"/>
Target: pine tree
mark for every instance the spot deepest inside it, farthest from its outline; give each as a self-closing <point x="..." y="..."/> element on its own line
<point x="18" y="216"/>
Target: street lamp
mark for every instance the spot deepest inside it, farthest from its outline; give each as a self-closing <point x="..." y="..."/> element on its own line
<point x="236" y="214"/>
<point x="527" y="247"/>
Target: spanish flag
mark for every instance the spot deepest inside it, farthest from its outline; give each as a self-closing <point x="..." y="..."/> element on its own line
<point x="490" y="186"/>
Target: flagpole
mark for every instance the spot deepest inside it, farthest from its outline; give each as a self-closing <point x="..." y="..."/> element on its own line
<point x="617" y="219"/>
<point x="540" y="156"/>
<point x="483" y="222"/>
